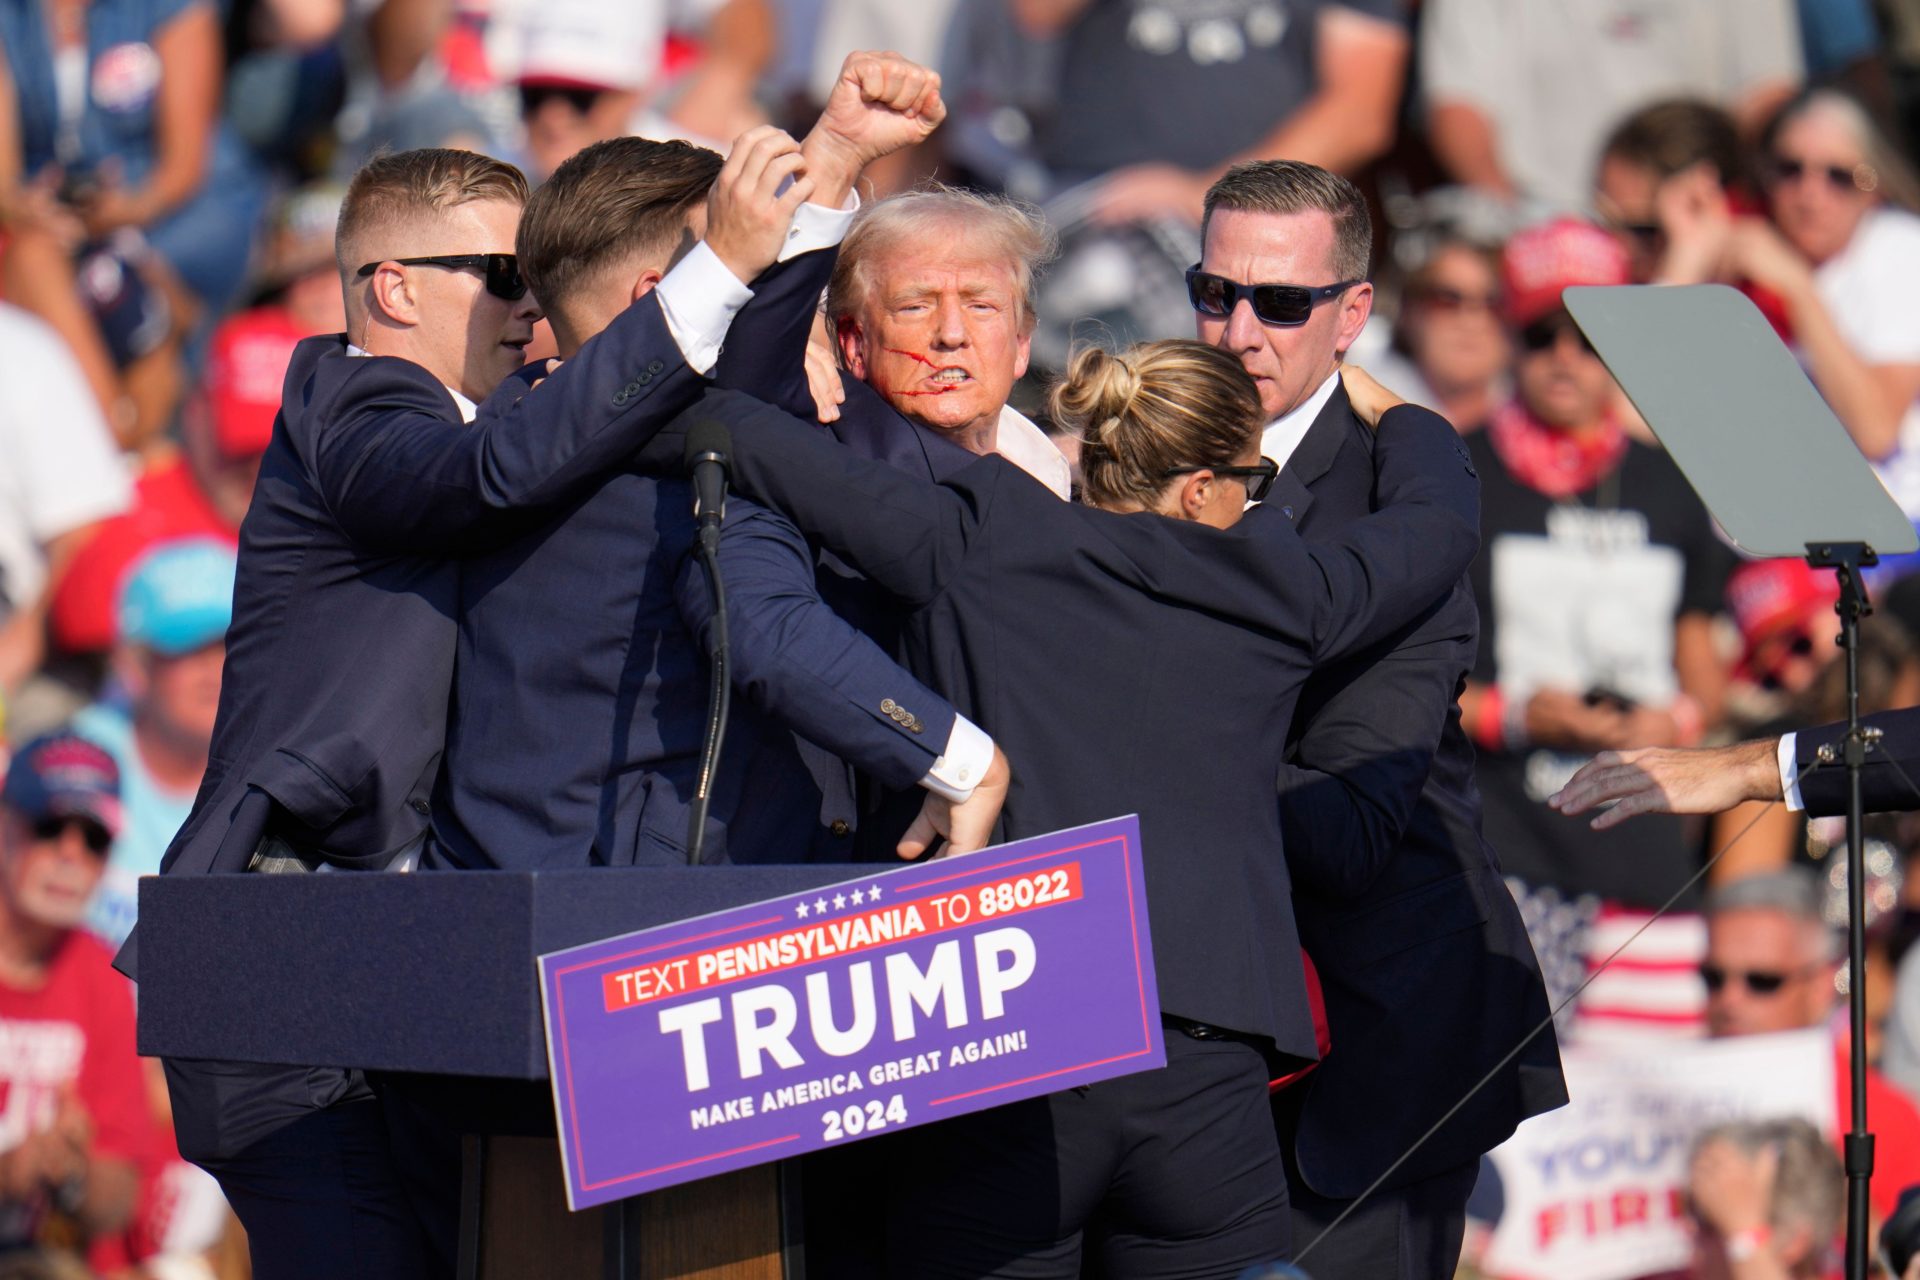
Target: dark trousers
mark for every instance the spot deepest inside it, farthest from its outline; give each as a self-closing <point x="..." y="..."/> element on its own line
<point x="328" y="1178"/>
<point x="1165" y="1174"/>
<point x="1410" y="1232"/>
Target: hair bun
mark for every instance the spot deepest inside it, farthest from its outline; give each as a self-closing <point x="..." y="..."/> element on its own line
<point x="1097" y="392"/>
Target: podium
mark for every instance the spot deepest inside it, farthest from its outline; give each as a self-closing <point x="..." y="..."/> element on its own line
<point x="429" y="980"/>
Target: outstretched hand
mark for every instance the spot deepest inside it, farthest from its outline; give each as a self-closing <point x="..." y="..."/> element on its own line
<point x="1369" y="399"/>
<point x="1671" y="780"/>
<point x="747" y="213"/>
<point x="967" y="825"/>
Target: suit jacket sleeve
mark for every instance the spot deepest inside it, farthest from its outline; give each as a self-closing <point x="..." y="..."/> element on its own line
<point x="399" y="476"/>
<point x="1365" y="737"/>
<point x="766" y="351"/>
<point x="905" y="533"/>
<point x="1383" y="570"/>
<point x="795" y="658"/>
<point x="1890" y="779"/>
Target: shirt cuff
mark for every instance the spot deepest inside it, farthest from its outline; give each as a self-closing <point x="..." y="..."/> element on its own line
<point x="959" y="770"/>
<point x="817" y="227"/>
<point x="700" y="298"/>
<point x="1790" y="773"/>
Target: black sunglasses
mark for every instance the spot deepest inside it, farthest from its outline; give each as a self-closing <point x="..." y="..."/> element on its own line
<point x="1444" y="297"/>
<point x="535" y="96"/>
<point x="1258" y="478"/>
<point x="51" y="829"/>
<point x="1860" y="177"/>
<point x="1282" y="305"/>
<point x="1542" y="334"/>
<point x="1761" y="982"/>
<point x="502" y="270"/>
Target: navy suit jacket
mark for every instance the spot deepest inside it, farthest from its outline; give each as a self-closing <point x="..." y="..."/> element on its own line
<point x="333" y="702"/>
<point x="1890" y="779"/>
<point x="1421" y="952"/>
<point x="1133" y="664"/>
<point x="580" y="694"/>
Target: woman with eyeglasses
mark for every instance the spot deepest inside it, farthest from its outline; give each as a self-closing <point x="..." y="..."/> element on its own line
<point x="1450" y="350"/>
<point x="1843" y="252"/>
<point x="1141" y="653"/>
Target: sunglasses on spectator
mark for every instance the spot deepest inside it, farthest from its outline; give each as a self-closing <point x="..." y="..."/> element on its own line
<point x="1800" y="646"/>
<point x="1258" y="478"/>
<point x="1761" y="982"/>
<point x="501" y="270"/>
<point x="1544" y="335"/>
<point x="535" y="96"/>
<point x="51" y="829"/>
<point x="1442" y="297"/>
<point x="1284" y="306"/>
<point x="1859" y="177"/>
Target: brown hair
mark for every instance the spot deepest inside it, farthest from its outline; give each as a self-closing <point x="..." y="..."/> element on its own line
<point x="397" y="185"/>
<point x="923" y="218"/>
<point x="1672" y="136"/>
<point x="611" y="201"/>
<point x="1294" y="186"/>
<point x="1153" y="407"/>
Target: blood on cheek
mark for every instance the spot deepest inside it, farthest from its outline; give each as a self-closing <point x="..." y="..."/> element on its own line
<point x="902" y="391"/>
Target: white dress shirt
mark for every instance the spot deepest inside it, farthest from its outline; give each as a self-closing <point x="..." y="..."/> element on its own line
<point x="1284" y="434"/>
<point x="1020" y="441"/>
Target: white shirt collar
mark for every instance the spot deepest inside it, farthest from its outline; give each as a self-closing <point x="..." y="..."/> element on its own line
<point x="466" y="407"/>
<point x="1017" y="439"/>
<point x="1284" y="434"/>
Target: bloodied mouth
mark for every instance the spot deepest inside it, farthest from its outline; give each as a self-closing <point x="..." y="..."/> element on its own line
<point x="947" y="377"/>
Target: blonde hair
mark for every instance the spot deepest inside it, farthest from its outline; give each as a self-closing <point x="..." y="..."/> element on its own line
<point x="929" y="217"/>
<point x="400" y="185"/>
<point x="1154" y="407"/>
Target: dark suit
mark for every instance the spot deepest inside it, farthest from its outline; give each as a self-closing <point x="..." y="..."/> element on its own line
<point x="1420" y="949"/>
<point x="1890" y="779"/>
<point x="1128" y="663"/>
<point x="332" y="716"/>
<point x="580" y="700"/>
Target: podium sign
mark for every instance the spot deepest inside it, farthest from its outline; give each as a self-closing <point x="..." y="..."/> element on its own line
<point x="912" y="995"/>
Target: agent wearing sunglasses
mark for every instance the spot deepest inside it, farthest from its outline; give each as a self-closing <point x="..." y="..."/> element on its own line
<point x="393" y="455"/>
<point x="1377" y="799"/>
<point x="75" y="1115"/>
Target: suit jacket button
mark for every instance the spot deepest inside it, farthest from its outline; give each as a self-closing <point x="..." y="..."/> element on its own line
<point x="422" y="807"/>
<point x="655" y="367"/>
<point x="888" y="706"/>
<point x="840" y="827"/>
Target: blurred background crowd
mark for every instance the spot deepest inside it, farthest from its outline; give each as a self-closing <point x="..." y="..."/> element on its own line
<point x="170" y="171"/>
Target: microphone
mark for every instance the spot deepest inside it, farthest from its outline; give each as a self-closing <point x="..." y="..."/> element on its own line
<point x="709" y="444"/>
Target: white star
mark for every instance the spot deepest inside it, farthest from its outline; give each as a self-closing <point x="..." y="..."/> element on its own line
<point x="801" y="911"/>
<point x="873" y="891"/>
<point x="839" y="901"/>
<point x="820" y="906"/>
<point x="858" y="897"/>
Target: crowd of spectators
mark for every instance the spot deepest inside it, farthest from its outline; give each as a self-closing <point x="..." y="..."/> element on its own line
<point x="170" y="171"/>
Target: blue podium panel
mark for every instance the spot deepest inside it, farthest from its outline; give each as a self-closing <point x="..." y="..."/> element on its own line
<point x="431" y="973"/>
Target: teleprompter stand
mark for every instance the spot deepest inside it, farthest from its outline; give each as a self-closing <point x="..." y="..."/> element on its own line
<point x="1782" y="477"/>
<point x="429" y="981"/>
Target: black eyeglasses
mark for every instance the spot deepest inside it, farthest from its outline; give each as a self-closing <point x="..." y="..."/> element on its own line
<point x="1258" y="478"/>
<point x="1761" y="982"/>
<point x="51" y="829"/>
<point x="1860" y="177"/>
<point x="502" y="270"/>
<point x="1543" y="333"/>
<point x="1284" y="305"/>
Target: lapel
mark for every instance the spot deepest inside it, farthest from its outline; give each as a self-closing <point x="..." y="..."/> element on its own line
<point x="1292" y="491"/>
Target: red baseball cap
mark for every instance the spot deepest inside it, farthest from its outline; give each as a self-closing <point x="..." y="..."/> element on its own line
<point x="1541" y="261"/>
<point x="246" y="363"/>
